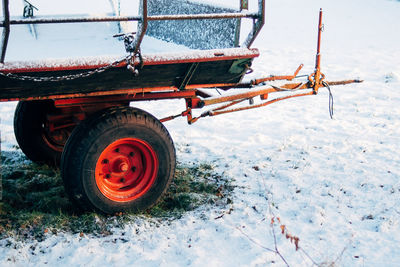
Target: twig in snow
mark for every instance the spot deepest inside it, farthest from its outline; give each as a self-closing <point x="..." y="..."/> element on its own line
<point x="254" y="241"/>
<point x="223" y="214"/>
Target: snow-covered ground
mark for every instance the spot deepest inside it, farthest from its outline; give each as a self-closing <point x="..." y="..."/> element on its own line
<point x="334" y="183"/>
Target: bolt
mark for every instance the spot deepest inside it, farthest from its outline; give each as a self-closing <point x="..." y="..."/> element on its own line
<point x="124" y="167"/>
<point x="108" y="176"/>
<point x="133" y="169"/>
<point x="105" y="161"/>
<point x="122" y="180"/>
<point x="117" y="150"/>
<point x="131" y="154"/>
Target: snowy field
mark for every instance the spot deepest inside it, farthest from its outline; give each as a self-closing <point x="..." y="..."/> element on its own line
<point x="335" y="184"/>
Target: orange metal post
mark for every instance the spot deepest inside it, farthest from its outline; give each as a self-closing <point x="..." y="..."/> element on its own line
<point x="317" y="74"/>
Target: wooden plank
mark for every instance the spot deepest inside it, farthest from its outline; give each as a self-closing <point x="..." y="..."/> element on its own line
<point x="150" y="76"/>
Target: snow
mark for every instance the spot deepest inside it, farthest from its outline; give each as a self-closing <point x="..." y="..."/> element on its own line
<point x="76" y="40"/>
<point x="333" y="183"/>
<point x="151" y="58"/>
<point x="77" y="7"/>
<point x="220" y="3"/>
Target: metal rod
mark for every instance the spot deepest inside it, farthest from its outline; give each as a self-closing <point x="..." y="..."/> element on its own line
<point x="143" y="21"/>
<point x="205" y="16"/>
<point x="317" y="75"/>
<point x="30" y="5"/>
<point x="188" y="76"/>
<point x="72" y="20"/>
<point x="137" y="96"/>
<point x="130" y="18"/>
<point x="257" y="25"/>
<point x="6" y="30"/>
<point x="247" y="95"/>
<point x="214" y="113"/>
<point x="342" y="82"/>
<point x="277" y="78"/>
<point x="320" y="27"/>
<point x="142" y="26"/>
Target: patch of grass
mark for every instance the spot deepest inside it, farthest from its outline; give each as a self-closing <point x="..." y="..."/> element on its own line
<point x="192" y="187"/>
<point x="34" y="201"/>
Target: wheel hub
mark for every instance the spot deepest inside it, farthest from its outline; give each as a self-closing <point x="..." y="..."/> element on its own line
<point x="126" y="169"/>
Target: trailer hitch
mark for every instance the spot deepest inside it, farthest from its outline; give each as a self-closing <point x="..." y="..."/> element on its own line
<point x="314" y="82"/>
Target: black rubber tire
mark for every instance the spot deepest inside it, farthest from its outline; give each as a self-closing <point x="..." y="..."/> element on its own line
<point x="92" y="136"/>
<point x="29" y="119"/>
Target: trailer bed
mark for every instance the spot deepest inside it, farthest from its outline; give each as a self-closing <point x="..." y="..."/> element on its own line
<point x="156" y="72"/>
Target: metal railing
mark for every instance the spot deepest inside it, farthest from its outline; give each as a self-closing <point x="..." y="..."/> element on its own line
<point x="143" y="19"/>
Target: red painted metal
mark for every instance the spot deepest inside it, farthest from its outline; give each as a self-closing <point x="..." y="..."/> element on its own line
<point x="218" y="55"/>
<point x="60" y="122"/>
<point x="95" y="94"/>
<point x="95" y="100"/>
<point x="87" y="103"/>
<point x="276" y="78"/>
<point x="215" y="85"/>
<point x="126" y="169"/>
<point x="59" y="68"/>
<point x="131" y="94"/>
<point x="190" y="57"/>
<point x="185" y="113"/>
<point x="317" y="72"/>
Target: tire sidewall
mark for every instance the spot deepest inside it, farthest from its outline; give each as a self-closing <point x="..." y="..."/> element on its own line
<point x="28" y="120"/>
<point x="100" y="138"/>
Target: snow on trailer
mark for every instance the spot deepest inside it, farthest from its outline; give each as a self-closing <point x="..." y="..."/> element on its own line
<point x="75" y="112"/>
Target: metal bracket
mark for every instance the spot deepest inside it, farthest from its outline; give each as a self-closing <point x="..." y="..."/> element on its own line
<point x="188" y="76"/>
<point x="28" y="10"/>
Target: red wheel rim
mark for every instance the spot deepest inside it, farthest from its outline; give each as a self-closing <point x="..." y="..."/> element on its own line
<point x="126" y="169"/>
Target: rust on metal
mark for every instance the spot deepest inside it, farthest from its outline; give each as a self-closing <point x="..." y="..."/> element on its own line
<point x="219" y="111"/>
<point x="263" y="93"/>
<point x="124" y="97"/>
<point x="247" y="95"/>
<point x="183" y="114"/>
<point x="317" y="72"/>
<point x="78" y="105"/>
<point x="94" y="94"/>
<point x="277" y="78"/>
<point x="344" y="82"/>
<point x="244" y="5"/>
<point x="142" y="27"/>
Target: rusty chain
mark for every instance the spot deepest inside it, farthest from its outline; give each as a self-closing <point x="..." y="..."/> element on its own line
<point x="66" y="77"/>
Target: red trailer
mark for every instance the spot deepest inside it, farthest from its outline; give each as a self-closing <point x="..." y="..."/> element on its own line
<point x="77" y="114"/>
